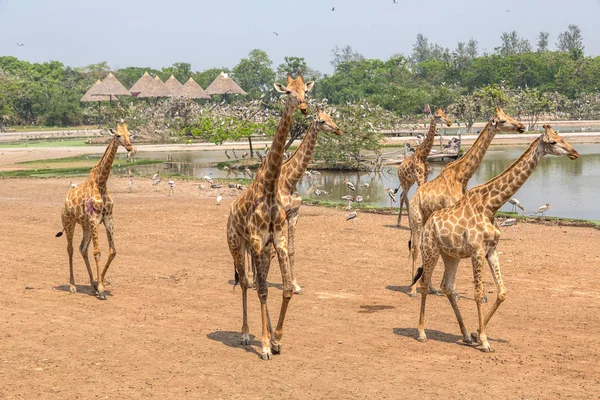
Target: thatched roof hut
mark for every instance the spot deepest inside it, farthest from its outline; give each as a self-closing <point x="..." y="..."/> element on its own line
<point x="192" y="90"/>
<point x="156" y="89"/>
<point x="141" y="84"/>
<point x="88" y="97"/>
<point x="224" y="85"/>
<point x="174" y="86"/>
<point x="110" y="86"/>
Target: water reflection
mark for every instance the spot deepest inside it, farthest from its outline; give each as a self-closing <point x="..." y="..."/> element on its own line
<point x="571" y="187"/>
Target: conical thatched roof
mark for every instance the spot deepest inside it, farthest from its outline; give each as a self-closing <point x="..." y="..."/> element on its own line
<point x="110" y="86"/>
<point x="156" y="89"/>
<point x="174" y="86"/>
<point x="224" y="85"/>
<point x="192" y="90"/>
<point x="141" y="84"/>
<point x="88" y="97"/>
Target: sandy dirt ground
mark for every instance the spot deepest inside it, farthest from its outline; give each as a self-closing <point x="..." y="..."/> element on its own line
<point x="170" y="326"/>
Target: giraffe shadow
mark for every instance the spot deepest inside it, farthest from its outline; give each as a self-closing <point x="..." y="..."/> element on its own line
<point x="394" y="226"/>
<point x="269" y="284"/>
<point x="81" y="289"/>
<point x="232" y="339"/>
<point x="432" y="334"/>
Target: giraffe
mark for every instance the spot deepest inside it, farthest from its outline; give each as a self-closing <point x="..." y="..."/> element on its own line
<point x="451" y="184"/>
<point x="89" y="205"/>
<point x="416" y="168"/>
<point x="256" y="221"/>
<point x="291" y="172"/>
<point x="468" y="230"/>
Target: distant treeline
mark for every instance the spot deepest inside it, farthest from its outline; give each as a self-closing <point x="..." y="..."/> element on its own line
<point x="49" y="93"/>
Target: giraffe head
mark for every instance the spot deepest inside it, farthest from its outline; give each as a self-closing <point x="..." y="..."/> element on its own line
<point x="557" y="146"/>
<point x="506" y="123"/>
<point x="122" y="135"/>
<point x="324" y="123"/>
<point x="295" y="89"/>
<point x="440" y="117"/>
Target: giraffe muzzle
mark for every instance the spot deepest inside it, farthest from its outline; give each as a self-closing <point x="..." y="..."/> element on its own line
<point x="573" y="155"/>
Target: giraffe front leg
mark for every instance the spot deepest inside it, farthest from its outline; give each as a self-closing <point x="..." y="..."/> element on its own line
<point x="480" y="336"/>
<point x="262" y="271"/>
<point x="430" y="254"/>
<point x="286" y="276"/>
<point x="96" y="242"/>
<point x="450" y="268"/>
<point x="292" y="221"/>
<point x="112" y="251"/>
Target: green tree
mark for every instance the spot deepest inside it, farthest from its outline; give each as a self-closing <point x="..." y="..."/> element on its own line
<point x="181" y="70"/>
<point x="542" y="44"/>
<point x="343" y="55"/>
<point x="571" y="41"/>
<point x="206" y="77"/>
<point x="254" y="74"/>
<point x="292" y="65"/>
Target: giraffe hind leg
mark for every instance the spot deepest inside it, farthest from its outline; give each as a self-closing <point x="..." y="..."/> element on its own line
<point x="69" y="226"/>
<point x="83" y="249"/>
<point x="238" y="252"/>
<point x="450" y="268"/>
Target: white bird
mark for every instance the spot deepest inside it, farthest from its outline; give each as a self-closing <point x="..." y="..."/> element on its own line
<point x="358" y="199"/>
<point x="219" y="198"/>
<point x="350" y="185"/>
<point x="207" y="178"/>
<point x="155" y="184"/>
<point x="308" y="174"/>
<point x="352" y="215"/>
<point x="73" y="185"/>
<point x="509" y="223"/>
<point x="247" y="170"/>
<point x="201" y="187"/>
<point x="155" y="176"/>
<point x="171" y="187"/>
<point x="542" y="210"/>
<point x="239" y="186"/>
<point x="365" y="185"/>
<point x="516" y="203"/>
<point x="392" y="195"/>
<point x="315" y="172"/>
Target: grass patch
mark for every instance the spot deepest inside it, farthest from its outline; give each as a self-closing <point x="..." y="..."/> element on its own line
<point x="67" y="171"/>
<point x="31" y="128"/>
<point x="58" y="143"/>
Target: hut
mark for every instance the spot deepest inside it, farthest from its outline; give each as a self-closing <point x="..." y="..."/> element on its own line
<point x="110" y="87"/>
<point x="192" y="90"/>
<point x="87" y="97"/>
<point x="174" y="87"/>
<point x="156" y="89"/>
<point x="141" y="84"/>
<point x="223" y="84"/>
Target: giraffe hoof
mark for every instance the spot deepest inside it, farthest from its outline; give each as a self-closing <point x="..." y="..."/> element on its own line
<point x="298" y="290"/>
<point x="436" y="292"/>
<point x="467" y="341"/>
<point x="102" y="296"/>
<point x="412" y="294"/>
<point x="422" y="338"/>
<point x="72" y="289"/>
<point x="266" y="356"/>
<point x="245" y="340"/>
<point x="487" y="349"/>
<point x="276" y="348"/>
<point x="475" y="337"/>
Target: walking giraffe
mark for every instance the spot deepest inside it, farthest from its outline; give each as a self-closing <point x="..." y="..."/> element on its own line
<point x="256" y="221"/>
<point x="468" y="229"/>
<point x="89" y="205"/>
<point x="291" y="172"/>
<point x="416" y="168"/>
<point x="450" y="185"/>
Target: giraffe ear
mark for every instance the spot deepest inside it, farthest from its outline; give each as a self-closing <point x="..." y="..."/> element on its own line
<point x="111" y="132"/>
<point x="494" y="120"/>
<point x="309" y="85"/>
<point x="280" y="88"/>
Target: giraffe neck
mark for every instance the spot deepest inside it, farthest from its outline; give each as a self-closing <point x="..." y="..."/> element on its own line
<point x="466" y="166"/>
<point x="425" y="148"/>
<point x="275" y="156"/>
<point x="499" y="190"/>
<point x="294" y="168"/>
<point x="102" y="170"/>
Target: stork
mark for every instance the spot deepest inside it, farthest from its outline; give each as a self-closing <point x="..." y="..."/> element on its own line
<point x="350" y="185"/>
<point x="219" y="198"/>
<point x="171" y="187"/>
<point x="542" y="210"/>
<point x="509" y="223"/>
<point x="515" y="203"/>
<point x="392" y="195"/>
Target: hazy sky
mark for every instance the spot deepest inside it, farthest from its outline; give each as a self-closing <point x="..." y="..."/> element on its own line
<point x="209" y="33"/>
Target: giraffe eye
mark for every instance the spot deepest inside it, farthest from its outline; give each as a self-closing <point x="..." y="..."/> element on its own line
<point x="552" y="142"/>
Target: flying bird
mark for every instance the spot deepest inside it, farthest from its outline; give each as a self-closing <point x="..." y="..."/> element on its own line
<point x="332" y="8"/>
<point x="20" y="44"/>
<point x="276" y="34"/>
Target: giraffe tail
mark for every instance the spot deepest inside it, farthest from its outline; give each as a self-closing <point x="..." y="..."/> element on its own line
<point x="417" y="276"/>
<point x="59" y="234"/>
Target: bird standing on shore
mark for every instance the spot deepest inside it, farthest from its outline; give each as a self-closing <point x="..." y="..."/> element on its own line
<point x="542" y="210"/>
<point x="73" y="185"/>
<point x="515" y="203"/>
<point x="207" y="178"/>
<point x="171" y="187"/>
<point x="509" y="223"/>
<point x="247" y="170"/>
<point x="219" y="198"/>
<point x="352" y="215"/>
<point x="392" y="195"/>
